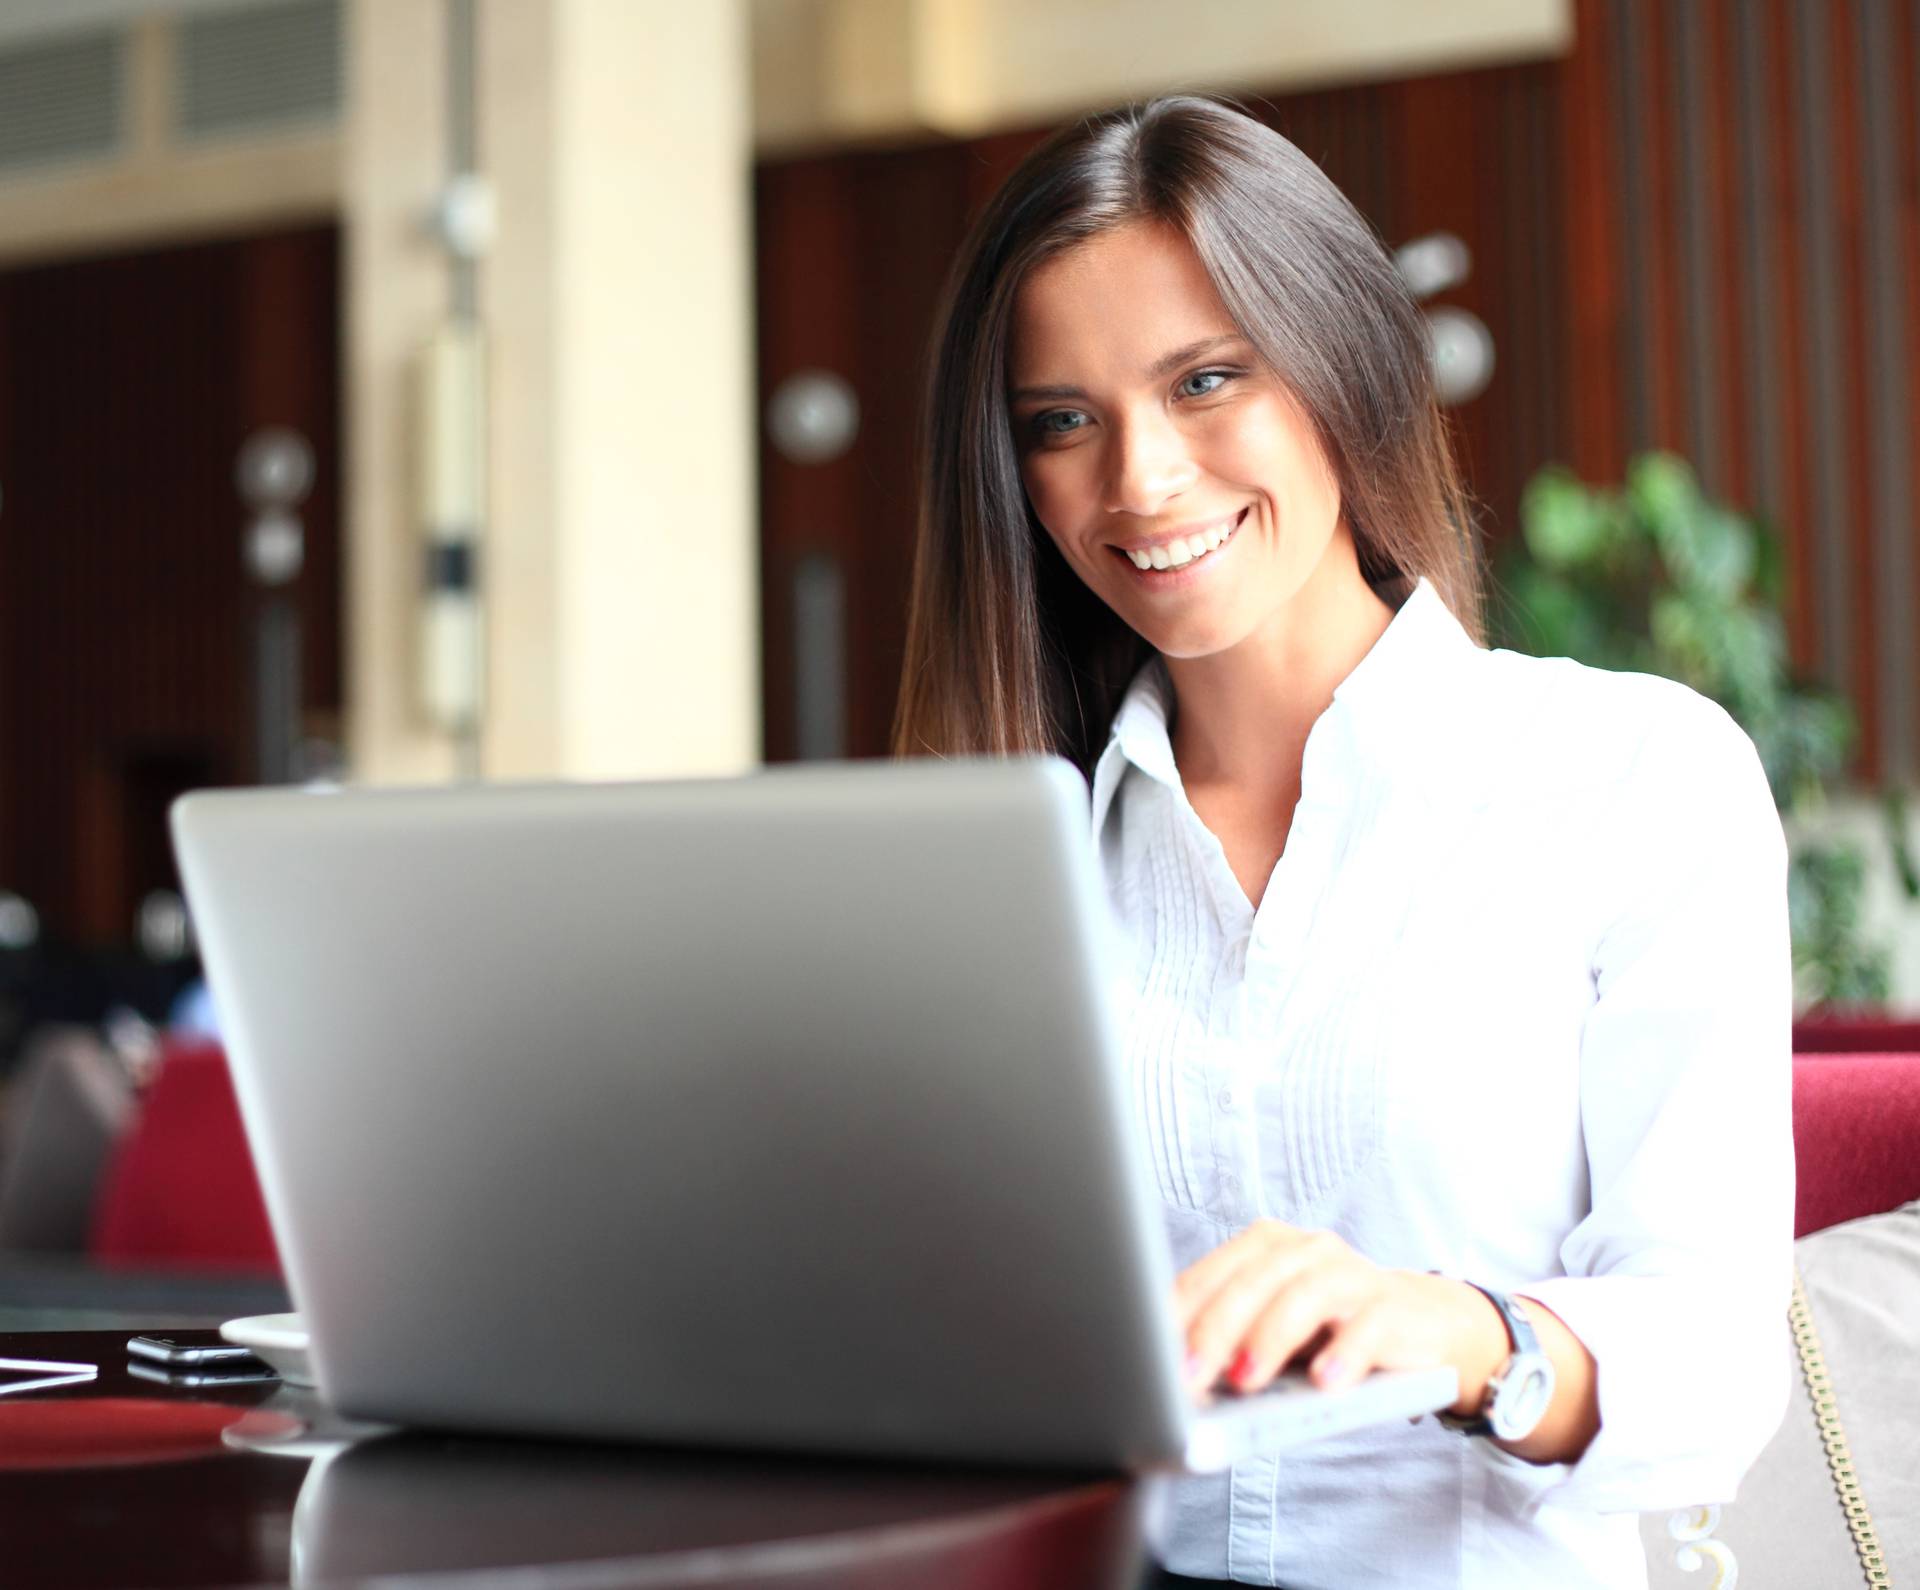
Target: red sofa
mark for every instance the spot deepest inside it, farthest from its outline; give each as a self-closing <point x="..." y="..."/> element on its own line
<point x="1856" y="1136"/>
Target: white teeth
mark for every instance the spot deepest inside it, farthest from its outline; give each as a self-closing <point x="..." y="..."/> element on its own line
<point x="1178" y="554"/>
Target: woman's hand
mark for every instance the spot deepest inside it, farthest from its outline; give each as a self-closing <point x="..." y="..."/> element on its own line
<point x="1253" y="1304"/>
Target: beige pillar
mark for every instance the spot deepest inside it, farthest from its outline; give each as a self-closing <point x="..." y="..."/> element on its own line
<point x="394" y="294"/>
<point x="619" y="560"/>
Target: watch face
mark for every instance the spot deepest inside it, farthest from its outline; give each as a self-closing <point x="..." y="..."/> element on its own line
<point x="1523" y="1396"/>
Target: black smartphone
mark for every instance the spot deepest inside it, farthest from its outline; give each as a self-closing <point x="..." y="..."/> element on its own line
<point x="242" y="1374"/>
<point x="177" y="1354"/>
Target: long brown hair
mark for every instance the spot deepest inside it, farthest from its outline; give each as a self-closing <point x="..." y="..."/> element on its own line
<point x="1007" y="651"/>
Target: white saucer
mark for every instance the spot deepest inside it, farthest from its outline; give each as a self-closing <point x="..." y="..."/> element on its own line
<point x="293" y="1422"/>
<point x="279" y="1339"/>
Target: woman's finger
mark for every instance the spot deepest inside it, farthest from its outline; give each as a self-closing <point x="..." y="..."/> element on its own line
<point x="1319" y="1299"/>
<point x="1199" y="1281"/>
<point x="1355" y="1349"/>
<point x="1219" y="1330"/>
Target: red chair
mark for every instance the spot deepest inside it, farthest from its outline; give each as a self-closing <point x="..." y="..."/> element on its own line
<point x="180" y="1192"/>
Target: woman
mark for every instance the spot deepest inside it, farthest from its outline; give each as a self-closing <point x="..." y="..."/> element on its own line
<point x="1458" y="989"/>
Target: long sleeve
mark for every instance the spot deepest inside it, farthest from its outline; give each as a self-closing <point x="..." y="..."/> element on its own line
<point x="1678" y="1279"/>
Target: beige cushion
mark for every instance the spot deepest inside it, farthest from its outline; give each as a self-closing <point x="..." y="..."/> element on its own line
<point x="1786" y="1528"/>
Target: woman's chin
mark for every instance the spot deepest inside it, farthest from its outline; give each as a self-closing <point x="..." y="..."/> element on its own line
<point x="1185" y="642"/>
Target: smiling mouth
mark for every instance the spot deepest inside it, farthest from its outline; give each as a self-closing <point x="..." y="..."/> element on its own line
<point x="1182" y="552"/>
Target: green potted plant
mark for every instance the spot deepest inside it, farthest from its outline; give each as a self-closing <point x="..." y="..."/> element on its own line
<point x="1653" y="577"/>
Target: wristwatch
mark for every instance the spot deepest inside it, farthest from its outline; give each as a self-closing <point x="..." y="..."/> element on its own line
<point x="1519" y="1392"/>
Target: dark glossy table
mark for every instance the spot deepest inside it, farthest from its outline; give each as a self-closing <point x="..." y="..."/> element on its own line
<point x="116" y="1482"/>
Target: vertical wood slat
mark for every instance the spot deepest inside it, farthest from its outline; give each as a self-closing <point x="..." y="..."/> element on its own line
<point x="1635" y="214"/>
<point x="1733" y="371"/>
<point x="1820" y="412"/>
<point x="1853" y="452"/>
<point x="1665" y="323"/>
<point x="1784" y="219"/>
<point x="1886" y="439"/>
<point x="1595" y="284"/>
<point x="1751" y="270"/>
<point x="1529" y="358"/>
<point x="1697" y="123"/>
<point x="1906" y="53"/>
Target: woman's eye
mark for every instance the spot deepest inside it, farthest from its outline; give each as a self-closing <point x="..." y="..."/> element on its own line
<point x="1059" y="422"/>
<point x="1219" y="377"/>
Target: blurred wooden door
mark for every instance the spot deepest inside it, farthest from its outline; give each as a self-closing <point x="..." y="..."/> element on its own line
<point x="850" y="252"/>
<point x="128" y="385"/>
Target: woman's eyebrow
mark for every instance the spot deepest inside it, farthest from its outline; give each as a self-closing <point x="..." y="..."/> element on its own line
<point x="1028" y="393"/>
<point x="1165" y="365"/>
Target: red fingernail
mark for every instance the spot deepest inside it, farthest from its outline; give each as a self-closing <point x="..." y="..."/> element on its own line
<point x="1241" y="1369"/>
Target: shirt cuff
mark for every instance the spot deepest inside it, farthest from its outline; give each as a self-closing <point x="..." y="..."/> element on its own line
<point x="1692" y="1381"/>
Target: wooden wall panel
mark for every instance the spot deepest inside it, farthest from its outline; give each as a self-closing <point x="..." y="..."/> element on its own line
<point x="1790" y="505"/>
<point x="1728" y="380"/>
<point x="1903" y="225"/>
<point x="1592" y="288"/>
<point x="1854" y="443"/>
<point x="1758" y="191"/>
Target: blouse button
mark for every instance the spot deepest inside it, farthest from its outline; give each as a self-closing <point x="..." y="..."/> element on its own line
<point x="1227" y="1101"/>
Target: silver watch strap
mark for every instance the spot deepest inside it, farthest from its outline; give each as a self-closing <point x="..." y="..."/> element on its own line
<point x="1521" y="1338"/>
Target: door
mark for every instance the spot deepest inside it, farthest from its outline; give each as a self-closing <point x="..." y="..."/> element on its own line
<point x="133" y="633"/>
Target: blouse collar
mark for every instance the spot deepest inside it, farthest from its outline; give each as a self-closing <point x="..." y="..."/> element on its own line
<point x="1396" y="706"/>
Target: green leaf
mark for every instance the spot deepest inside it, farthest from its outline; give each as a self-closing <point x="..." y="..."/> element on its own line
<point x="1563" y="526"/>
<point x="1724" y="553"/>
<point x="1663" y="492"/>
<point x="1681" y="644"/>
<point x="1549" y="616"/>
<point x="1894" y="806"/>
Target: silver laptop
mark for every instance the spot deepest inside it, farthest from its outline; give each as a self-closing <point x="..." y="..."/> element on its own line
<point x="779" y="1112"/>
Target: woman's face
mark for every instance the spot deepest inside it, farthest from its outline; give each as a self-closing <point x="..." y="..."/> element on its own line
<point x="1149" y="431"/>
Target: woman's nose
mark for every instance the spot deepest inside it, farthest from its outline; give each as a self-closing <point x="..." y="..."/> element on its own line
<point x="1148" y="464"/>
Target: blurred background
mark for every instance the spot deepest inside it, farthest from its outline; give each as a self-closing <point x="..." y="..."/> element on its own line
<point x="418" y="390"/>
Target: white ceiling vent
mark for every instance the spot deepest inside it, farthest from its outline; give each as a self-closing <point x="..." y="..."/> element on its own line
<point x="264" y="68"/>
<point x="61" y="101"/>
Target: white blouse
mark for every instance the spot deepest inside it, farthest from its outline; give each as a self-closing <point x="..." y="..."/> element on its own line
<point x="1515" y="1006"/>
